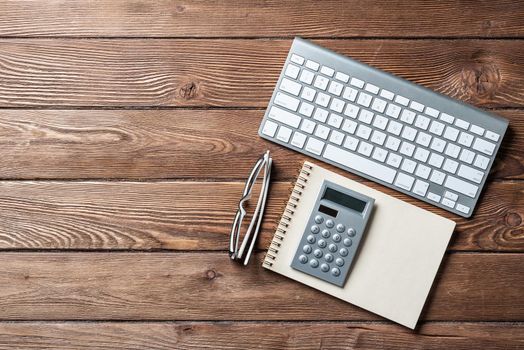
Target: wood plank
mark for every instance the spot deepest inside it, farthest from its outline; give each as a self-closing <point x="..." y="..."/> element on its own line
<point x="166" y="144"/>
<point x="268" y="336"/>
<point x="270" y="18"/>
<point x="208" y="286"/>
<point x="242" y="73"/>
<point x="197" y="216"/>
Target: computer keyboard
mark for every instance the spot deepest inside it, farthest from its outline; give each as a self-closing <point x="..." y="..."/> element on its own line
<point x="382" y="127"/>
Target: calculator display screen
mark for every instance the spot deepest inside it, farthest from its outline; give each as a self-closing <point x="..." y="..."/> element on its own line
<point x="344" y="200"/>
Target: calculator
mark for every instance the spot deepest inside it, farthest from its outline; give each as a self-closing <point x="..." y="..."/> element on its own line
<point x="333" y="233"/>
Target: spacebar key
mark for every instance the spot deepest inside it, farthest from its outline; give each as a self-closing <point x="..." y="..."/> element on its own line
<point x="358" y="163"/>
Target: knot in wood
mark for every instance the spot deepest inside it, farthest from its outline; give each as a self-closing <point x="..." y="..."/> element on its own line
<point x="481" y="77"/>
<point x="513" y="219"/>
<point x="211" y="274"/>
<point x="188" y="91"/>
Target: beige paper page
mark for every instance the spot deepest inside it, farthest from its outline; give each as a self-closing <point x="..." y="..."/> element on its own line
<point x="398" y="259"/>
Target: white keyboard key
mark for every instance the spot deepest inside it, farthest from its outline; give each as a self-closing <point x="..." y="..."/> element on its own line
<point x="401" y="100"/>
<point x="434" y="197"/>
<point x="380" y="154"/>
<point x="314" y="146"/>
<point x="470" y="173"/>
<point x="452" y="150"/>
<point x="481" y="162"/>
<point x="436" y="160"/>
<point x="306" y="109"/>
<point x="394" y="127"/>
<point x="465" y="139"/>
<point x="335" y="88"/>
<point x="363" y="131"/>
<point x="283" y="134"/>
<point x="306" y="77"/>
<point x="394" y="160"/>
<point x="371" y="88"/>
<point x="421" y="155"/>
<point x="448" y="203"/>
<point x="297" y="59"/>
<point x="407" y="149"/>
<point x="378" y="105"/>
<point x="409" y="133"/>
<point x="421" y="188"/>
<point x="388" y="95"/>
<point x="365" y="116"/>
<point x="419" y="107"/>
<point x="423" y="139"/>
<point x="312" y="65"/>
<point x="337" y="105"/>
<point x="327" y="71"/>
<point x="447" y="118"/>
<point x="484" y="146"/>
<point x="467" y="156"/>
<point x="349" y="126"/>
<point x="408" y="165"/>
<point x="357" y="82"/>
<point x="361" y="164"/>
<point x="460" y="186"/>
<point x="322" y="131"/>
<point x="284" y="117"/>
<point x="364" y="99"/>
<point x="336" y="137"/>
<point x="378" y="137"/>
<point x="342" y="77"/>
<point x="450" y="166"/>
<point x="462" y="208"/>
<point x="321" y="115"/>
<point x="451" y="195"/>
<point x="432" y="112"/>
<point x="365" y="148"/>
<point x="308" y="93"/>
<point x="392" y="143"/>
<point x="462" y="123"/>
<point x="351" y="143"/>
<point x="322" y="99"/>
<point x="436" y="128"/>
<point x="286" y="101"/>
<point x="308" y="126"/>
<point x="423" y="171"/>
<point x="298" y="139"/>
<point x="422" y="122"/>
<point x="477" y="130"/>
<point x="321" y="82"/>
<point x="292" y="71"/>
<point x="351" y="110"/>
<point x="492" y="136"/>
<point x="404" y="181"/>
<point x="335" y="120"/>
<point x="437" y="177"/>
<point x="380" y="122"/>
<point x="408" y="116"/>
<point x="393" y="110"/>
<point x="269" y="128"/>
<point x="438" y="144"/>
<point x="451" y="133"/>
<point x="350" y="94"/>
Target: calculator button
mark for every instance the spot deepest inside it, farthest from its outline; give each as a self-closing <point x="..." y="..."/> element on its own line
<point x="313" y="263"/>
<point x="339" y="261"/>
<point x="336" y="237"/>
<point x="318" y="253"/>
<point x="302" y="259"/>
<point x="322" y="243"/>
<point x="348" y="242"/>
<point x="333" y="248"/>
<point x="311" y="239"/>
<point x="340" y="228"/>
<point x="324" y="267"/>
<point x="335" y="271"/>
<point x="315" y="229"/>
<point x="306" y="249"/>
<point x="330" y="223"/>
<point x="328" y="257"/>
<point x="319" y="219"/>
<point x="351" y="232"/>
<point x="325" y="233"/>
<point x="343" y="252"/>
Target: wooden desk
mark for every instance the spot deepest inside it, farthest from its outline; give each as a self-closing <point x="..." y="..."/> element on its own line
<point x="127" y="128"/>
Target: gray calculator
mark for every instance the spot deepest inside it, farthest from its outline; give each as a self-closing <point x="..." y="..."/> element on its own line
<point x="333" y="233"/>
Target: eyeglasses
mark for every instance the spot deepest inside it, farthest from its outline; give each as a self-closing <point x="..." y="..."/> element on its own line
<point x="240" y="254"/>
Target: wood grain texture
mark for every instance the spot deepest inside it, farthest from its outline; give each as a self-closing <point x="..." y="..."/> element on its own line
<point x="267" y="336"/>
<point x="237" y="73"/>
<point x="209" y="286"/>
<point x="167" y="144"/>
<point x="355" y="18"/>
<point x="198" y="216"/>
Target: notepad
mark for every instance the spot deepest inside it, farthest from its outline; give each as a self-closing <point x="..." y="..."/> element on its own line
<point x="398" y="257"/>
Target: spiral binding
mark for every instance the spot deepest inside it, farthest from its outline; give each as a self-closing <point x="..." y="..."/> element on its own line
<point x="283" y="225"/>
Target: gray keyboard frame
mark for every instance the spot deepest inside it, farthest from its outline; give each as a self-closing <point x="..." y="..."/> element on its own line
<point x="398" y="86"/>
